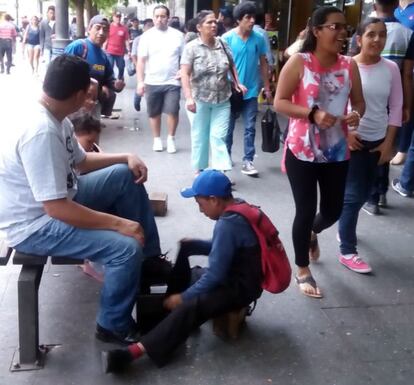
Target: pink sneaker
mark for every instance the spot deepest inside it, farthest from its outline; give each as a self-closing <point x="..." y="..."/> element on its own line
<point x="355" y="263"/>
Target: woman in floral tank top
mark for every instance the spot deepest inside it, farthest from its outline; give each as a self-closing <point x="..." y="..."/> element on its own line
<point x="314" y="88"/>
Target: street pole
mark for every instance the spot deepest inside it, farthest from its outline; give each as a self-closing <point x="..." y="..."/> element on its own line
<point x="17" y="12"/>
<point x="61" y="27"/>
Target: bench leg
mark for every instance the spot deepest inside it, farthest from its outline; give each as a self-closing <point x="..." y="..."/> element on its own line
<point x="28" y="298"/>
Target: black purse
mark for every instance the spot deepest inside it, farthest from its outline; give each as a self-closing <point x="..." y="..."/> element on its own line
<point x="236" y="98"/>
<point x="270" y="132"/>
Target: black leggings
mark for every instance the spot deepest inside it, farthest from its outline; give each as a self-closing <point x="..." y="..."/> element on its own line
<point x="304" y="177"/>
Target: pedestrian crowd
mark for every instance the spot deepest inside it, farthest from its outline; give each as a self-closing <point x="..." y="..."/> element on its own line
<point x="79" y="202"/>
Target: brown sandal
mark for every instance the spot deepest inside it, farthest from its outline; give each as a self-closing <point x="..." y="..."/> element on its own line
<point x="308" y="280"/>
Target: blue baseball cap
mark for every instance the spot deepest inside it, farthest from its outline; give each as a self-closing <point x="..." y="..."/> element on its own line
<point x="209" y="183"/>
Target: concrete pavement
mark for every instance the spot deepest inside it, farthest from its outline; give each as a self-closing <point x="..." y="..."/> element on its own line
<point x="360" y="333"/>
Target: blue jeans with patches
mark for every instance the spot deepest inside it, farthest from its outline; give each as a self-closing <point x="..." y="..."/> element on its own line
<point x="110" y="190"/>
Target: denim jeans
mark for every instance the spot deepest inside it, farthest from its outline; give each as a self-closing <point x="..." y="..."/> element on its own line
<point x="209" y="126"/>
<point x="249" y="113"/>
<point x="407" y="175"/>
<point x="120" y="63"/>
<point x="404" y="136"/>
<point x="111" y="190"/>
<point x="137" y="102"/>
<point x="361" y="176"/>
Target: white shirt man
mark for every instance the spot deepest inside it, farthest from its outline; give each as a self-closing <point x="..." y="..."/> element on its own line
<point x="159" y="53"/>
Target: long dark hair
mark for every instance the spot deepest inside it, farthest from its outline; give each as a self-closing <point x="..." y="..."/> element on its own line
<point x="318" y="18"/>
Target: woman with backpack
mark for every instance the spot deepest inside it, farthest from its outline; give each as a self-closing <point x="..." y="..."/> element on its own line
<point x="313" y="90"/>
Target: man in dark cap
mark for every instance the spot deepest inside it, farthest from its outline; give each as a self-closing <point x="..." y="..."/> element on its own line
<point x="91" y="50"/>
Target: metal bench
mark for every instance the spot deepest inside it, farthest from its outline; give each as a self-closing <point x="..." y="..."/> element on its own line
<point x="30" y="355"/>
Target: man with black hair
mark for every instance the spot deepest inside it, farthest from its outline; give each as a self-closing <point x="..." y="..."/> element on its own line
<point x="159" y="52"/>
<point x="248" y="48"/>
<point x="101" y="69"/>
<point x="56" y="198"/>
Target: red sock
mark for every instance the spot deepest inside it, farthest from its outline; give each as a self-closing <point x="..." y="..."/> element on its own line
<point x="136" y="351"/>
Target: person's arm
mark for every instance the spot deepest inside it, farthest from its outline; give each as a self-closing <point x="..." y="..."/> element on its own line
<point x="80" y="216"/>
<point x="141" y="75"/>
<point x="42" y="37"/>
<point x="357" y="98"/>
<point x="264" y="70"/>
<point x="407" y="76"/>
<point x="186" y="70"/>
<point x="395" y="103"/>
<point x="95" y="161"/>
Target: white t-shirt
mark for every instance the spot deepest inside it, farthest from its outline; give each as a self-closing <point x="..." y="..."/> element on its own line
<point x="162" y="50"/>
<point x="37" y="160"/>
<point x="382" y="89"/>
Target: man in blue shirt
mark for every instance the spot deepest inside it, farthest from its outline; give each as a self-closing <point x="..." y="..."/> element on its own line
<point x="232" y="280"/>
<point x="248" y="48"/>
<point x="91" y="50"/>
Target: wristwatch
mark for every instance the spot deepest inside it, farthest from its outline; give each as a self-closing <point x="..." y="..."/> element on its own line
<point x="311" y="115"/>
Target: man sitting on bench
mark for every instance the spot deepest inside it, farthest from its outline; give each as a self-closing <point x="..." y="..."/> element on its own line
<point x="57" y="200"/>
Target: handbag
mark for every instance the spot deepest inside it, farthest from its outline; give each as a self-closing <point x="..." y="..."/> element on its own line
<point x="270" y="132"/>
<point x="130" y="66"/>
<point x="236" y="98"/>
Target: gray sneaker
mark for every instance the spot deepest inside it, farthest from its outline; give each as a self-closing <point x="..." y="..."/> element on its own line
<point x="396" y="185"/>
<point x="248" y="168"/>
<point x="371" y="208"/>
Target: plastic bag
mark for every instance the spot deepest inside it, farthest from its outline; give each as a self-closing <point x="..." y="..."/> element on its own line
<point x="130" y="66"/>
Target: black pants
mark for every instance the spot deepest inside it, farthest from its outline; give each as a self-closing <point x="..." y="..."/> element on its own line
<point x="161" y="341"/>
<point x="107" y="102"/>
<point x="381" y="182"/>
<point x="6" y="47"/>
<point x="304" y="178"/>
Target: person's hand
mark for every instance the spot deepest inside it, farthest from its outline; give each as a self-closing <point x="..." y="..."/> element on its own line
<point x="131" y="229"/>
<point x="241" y="88"/>
<point x="406" y="114"/>
<point x="354" y="141"/>
<point x="140" y="88"/>
<point x="190" y="105"/>
<point x="268" y="94"/>
<point x="138" y="168"/>
<point x="119" y="85"/>
<point x="105" y="91"/>
<point x="386" y="150"/>
<point x="352" y="119"/>
<point x="324" y="119"/>
<point x="173" y="301"/>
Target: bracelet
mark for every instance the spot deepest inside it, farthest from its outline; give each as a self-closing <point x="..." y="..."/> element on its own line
<point x="357" y="114"/>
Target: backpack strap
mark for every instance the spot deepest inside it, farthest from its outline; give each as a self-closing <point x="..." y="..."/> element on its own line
<point x="85" y="49"/>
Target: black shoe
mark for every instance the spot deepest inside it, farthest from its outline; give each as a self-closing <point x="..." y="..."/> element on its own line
<point x="115" y="361"/>
<point x="125" y="338"/>
<point x="382" y="201"/>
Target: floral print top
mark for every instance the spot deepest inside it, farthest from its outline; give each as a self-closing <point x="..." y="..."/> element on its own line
<point x="329" y="89"/>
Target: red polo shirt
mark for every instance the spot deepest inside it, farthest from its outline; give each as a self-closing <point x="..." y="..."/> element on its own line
<point x="118" y="35"/>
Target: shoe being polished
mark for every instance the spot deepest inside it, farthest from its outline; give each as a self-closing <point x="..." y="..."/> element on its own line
<point x="123" y="338"/>
<point x="115" y="361"/>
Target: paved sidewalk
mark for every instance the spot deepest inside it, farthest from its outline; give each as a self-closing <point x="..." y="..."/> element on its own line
<point x="360" y="333"/>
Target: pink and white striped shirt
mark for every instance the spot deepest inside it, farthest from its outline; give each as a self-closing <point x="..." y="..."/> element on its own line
<point x="7" y="30"/>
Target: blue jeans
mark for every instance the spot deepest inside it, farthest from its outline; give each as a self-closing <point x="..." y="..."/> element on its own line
<point x="404" y="136"/>
<point x="249" y="113"/>
<point x="111" y="190"/>
<point x="120" y="63"/>
<point x="209" y="126"/>
<point x="361" y="176"/>
<point x="407" y="175"/>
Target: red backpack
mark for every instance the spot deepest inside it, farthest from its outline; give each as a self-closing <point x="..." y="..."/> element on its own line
<point x="275" y="264"/>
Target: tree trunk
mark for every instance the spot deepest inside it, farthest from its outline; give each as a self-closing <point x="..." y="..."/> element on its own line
<point x="80" y="21"/>
<point x="91" y="10"/>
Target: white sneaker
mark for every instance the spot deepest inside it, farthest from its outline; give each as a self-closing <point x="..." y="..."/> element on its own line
<point x="249" y="169"/>
<point x="157" y="146"/>
<point x="171" y="144"/>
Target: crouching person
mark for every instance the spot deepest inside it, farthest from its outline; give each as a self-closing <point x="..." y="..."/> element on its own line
<point x="59" y="200"/>
<point x="232" y="280"/>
